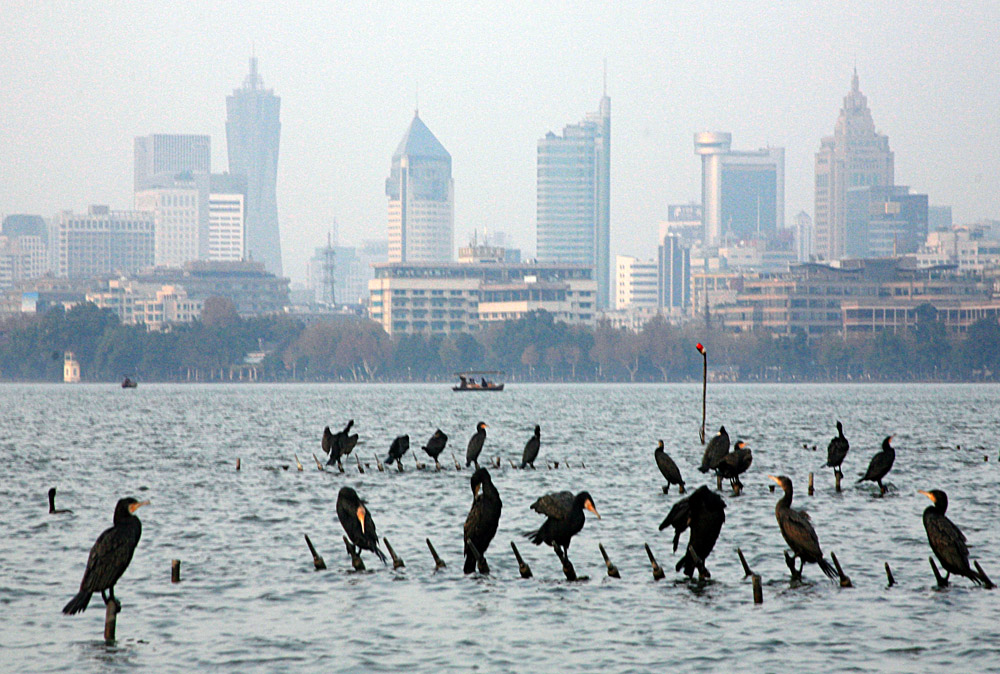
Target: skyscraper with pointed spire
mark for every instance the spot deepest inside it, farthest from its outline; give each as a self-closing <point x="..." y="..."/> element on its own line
<point x="856" y="155"/>
<point x="421" y="198"/>
<point x="573" y="198"/>
<point x="253" y="131"/>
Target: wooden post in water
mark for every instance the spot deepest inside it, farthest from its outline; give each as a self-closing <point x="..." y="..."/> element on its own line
<point x="317" y="560"/>
<point x="657" y="570"/>
<point x="987" y="583"/>
<point x="175" y="570"/>
<point x="298" y="464"/>
<point x="612" y="569"/>
<point x="811" y="489"/>
<point x="758" y="591"/>
<point x="319" y="465"/>
<point x="567" y="565"/>
<point x="237" y="463"/>
<point x="941" y="581"/>
<point x="718" y="481"/>
<point x="746" y="567"/>
<point x="481" y="564"/>
<point x="522" y="566"/>
<point x="361" y="469"/>
<point x="704" y="388"/>
<point x="844" y="580"/>
<point x="356" y="561"/>
<point x="458" y="466"/>
<point x="110" y="620"/>
<point x="512" y="463"/>
<point x="888" y="575"/>
<point x="438" y="562"/>
<point x="836" y="480"/>
<point x="397" y="561"/>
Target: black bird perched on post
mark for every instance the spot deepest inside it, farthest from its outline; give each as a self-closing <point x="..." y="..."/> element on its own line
<point x="339" y="444"/>
<point x="704" y="512"/>
<point x="397" y="449"/>
<point x="717" y="448"/>
<point x="671" y="473"/>
<point x="798" y="531"/>
<point x="52" y="504"/>
<point x="531" y="448"/>
<point x="880" y="465"/>
<point x="484" y="516"/>
<point x="564" y="518"/>
<point x="837" y="450"/>
<point x="435" y="446"/>
<point x="734" y="464"/>
<point x="109" y="557"/>
<point x="357" y="522"/>
<point x="947" y="540"/>
<point x="476" y="444"/>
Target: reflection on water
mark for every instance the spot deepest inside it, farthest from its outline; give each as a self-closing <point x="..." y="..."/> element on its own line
<point x="250" y="598"/>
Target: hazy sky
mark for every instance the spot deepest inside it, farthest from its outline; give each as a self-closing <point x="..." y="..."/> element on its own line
<point x="79" y="80"/>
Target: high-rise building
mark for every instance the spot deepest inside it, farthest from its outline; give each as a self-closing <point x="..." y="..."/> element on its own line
<point x="635" y="282"/>
<point x="103" y="241"/>
<point x="168" y="154"/>
<point x="804" y="236"/>
<point x="181" y="224"/>
<point x="421" y="198"/>
<point x="685" y="221"/>
<point x="674" y="275"/>
<point x="856" y="155"/>
<point x="884" y="221"/>
<point x="742" y="193"/>
<point x="253" y="131"/>
<point x="23" y="249"/>
<point x="226" y="217"/>
<point x="573" y="222"/>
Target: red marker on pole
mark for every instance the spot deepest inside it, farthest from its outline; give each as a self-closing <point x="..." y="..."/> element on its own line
<point x="704" y="385"/>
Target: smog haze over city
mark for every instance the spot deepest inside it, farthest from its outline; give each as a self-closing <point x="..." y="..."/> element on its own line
<point x="81" y="81"/>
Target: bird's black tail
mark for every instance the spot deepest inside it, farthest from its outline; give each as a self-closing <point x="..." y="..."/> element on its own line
<point x="827" y="568"/>
<point x="378" y="553"/>
<point x="536" y="537"/>
<point x="78" y="603"/>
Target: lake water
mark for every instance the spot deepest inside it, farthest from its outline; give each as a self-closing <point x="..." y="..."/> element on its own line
<point x="250" y="599"/>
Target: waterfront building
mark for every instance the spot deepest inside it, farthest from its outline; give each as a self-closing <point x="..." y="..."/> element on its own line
<point x="247" y="284"/>
<point x="23" y="249"/>
<point x="102" y="242"/>
<point x="168" y="154"/>
<point x="226" y="218"/>
<point x="673" y="275"/>
<point x="421" y="198"/>
<point x="685" y="221"/>
<point x="455" y="298"/>
<point x="742" y="193"/>
<point x="573" y="220"/>
<point x="885" y="221"/>
<point x="155" y="307"/>
<point x="253" y="132"/>
<point x="635" y="282"/>
<point x="856" y="155"/>
<point x="179" y="207"/>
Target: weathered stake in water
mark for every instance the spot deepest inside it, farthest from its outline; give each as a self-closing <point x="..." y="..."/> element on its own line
<point x="888" y="575"/>
<point x="657" y="570"/>
<point x="612" y="569"/>
<point x="522" y="566"/>
<point x="397" y="561"/>
<point x="175" y="571"/>
<point x="356" y="561"/>
<point x="110" y="620"/>
<point x="318" y="562"/>
<point x="438" y="562"/>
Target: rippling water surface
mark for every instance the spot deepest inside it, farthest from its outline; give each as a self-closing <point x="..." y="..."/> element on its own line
<point x="250" y="599"/>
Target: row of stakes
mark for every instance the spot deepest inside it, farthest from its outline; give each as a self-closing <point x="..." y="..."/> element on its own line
<point x="495" y="462"/>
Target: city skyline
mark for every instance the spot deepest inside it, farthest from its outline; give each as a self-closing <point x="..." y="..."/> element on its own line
<point x="777" y="76"/>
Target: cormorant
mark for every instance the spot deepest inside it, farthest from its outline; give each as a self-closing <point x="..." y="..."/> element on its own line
<point x="797" y="529"/>
<point x="357" y="522"/>
<point x="531" y="448"/>
<point x="564" y="518"/>
<point x="109" y="557"/>
<point x="734" y="464"/>
<point x="671" y="473"/>
<point x="837" y="450"/>
<point x="397" y="449"/>
<point x="435" y="446"/>
<point x="484" y="516"/>
<point x="704" y="513"/>
<point x="52" y="504"/>
<point x="335" y="444"/>
<point x="880" y="464"/>
<point x="947" y="540"/>
<point x="717" y="448"/>
<point x="476" y="444"/>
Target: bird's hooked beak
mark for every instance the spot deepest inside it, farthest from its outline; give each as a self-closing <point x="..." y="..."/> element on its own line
<point x="589" y="505"/>
<point x="928" y="495"/>
<point x="775" y="479"/>
<point x="361" y="517"/>
<point x="135" y="506"/>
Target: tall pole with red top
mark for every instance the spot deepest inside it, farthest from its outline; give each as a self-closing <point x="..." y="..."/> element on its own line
<point x="704" y="385"/>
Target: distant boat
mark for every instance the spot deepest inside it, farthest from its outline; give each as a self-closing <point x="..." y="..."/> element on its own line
<point x="129" y="383"/>
<point x="475" y="380"/>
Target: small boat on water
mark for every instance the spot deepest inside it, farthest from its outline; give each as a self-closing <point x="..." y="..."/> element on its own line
<point x="475" y="380"/>
<point x="129" y="383"/>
